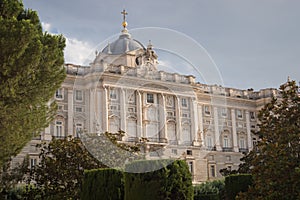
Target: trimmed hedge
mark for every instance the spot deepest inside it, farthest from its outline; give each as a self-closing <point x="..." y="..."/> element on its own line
<point x="172" y="181"/>
<point x="213" y="190"/>
<point x="237" y="183"/>
<point x="103" y="184"/>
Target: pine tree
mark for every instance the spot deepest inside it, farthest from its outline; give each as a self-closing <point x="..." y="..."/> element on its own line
<point x="31" y="69"/>
<point x="275" y="161"/>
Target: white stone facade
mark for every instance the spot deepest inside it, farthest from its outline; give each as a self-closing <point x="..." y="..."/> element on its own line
<point x="208" y="125"/>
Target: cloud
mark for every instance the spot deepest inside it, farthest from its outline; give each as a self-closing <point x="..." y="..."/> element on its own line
<point x="46" y="26"/>
<point x="78" y="52"/>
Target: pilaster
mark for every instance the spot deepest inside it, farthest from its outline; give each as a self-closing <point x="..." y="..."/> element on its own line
<point x="217" y="130"/>
<point x="178" y="120"/>
<point x="249" y="138"/>
<point x="234" y="132"/>
<point x="70" y="112"/>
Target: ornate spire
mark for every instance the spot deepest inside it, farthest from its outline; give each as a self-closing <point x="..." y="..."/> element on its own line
<point x="124" y="23"/>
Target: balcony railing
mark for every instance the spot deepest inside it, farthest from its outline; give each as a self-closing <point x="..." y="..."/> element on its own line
<point x="227" y="149"/>
<point x="243" y="150"/>
<point x="210" y="149"/>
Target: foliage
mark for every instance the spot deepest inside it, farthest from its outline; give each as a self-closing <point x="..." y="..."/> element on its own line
<point x="234" y="184"/>
<point x="11" y="176"/>
<point x="61" y="169"/>
<point x="108" y="148"/>
<point x="31" y="69"/>
<point x="275" y="161"/>
<point x="172" y="181"/>
<point x="105" y="183"/>
<point x="209" y="191"/>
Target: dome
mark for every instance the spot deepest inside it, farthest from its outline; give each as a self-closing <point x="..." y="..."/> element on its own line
<point x="123" y="44"/>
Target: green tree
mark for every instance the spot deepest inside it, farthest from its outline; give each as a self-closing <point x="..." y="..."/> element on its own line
<point x="60" y="172"/>
<point x="9" y="177"/>
<point x="31" y="69"/>
<point x="274" y="162"/>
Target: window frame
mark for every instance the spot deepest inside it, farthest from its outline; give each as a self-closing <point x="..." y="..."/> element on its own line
<point x="59" y="94"/>
<point x="150" y="98"/>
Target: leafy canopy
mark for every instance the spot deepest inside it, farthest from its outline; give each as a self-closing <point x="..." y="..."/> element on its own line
<point x="275" y="161"/>
<point x="31" y="69"/>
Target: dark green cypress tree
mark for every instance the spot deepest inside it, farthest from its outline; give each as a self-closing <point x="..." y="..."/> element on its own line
<point x="31" y="69"/>
<point x="275" y="161"/>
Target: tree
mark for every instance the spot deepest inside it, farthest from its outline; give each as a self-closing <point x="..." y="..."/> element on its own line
<point x="158" y="179"/>
<point x="275" y="161"/>
<point x="61" y="169"/>
<point x="31" y="69"/>
<point x="10" y="177"/>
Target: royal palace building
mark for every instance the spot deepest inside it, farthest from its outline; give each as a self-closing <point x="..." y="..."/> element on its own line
<point x="209" y="126"/>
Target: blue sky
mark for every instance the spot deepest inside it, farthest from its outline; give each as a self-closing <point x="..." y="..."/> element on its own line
<point x="251" y="43"/>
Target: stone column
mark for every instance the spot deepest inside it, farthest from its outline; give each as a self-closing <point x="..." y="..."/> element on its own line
<point x="195" y="127"/>
<point x="162" y="119"/>
<point x="92" y="111"/>
<point x="123" y="109"/>
<point x="70" y="112"/>
<point x="178" y="120"/>
<point x="105" y="109"/>
<point x="249" y="137"/>
<point x="234" y="133"/>
<point x="200" y="123"/>
<point x="217" y="130"/>
<point x="99" y="116"/>
<point x="139" y="113"/>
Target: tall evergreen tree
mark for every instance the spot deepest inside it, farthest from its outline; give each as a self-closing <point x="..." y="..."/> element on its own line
<point x="31" y="69"/>
<point x="275" y="162"/>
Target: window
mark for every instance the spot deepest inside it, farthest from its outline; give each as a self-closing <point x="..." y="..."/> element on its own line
<point x="113" y="107"/>
<point x="33" y="162"/>
<point x="174" y="151"/>
<point x="189" y="152"/>
<point x="185" y="115"/>
<point x="252" y="115"/>
<point x="170" y="114"/>
<point x="242" y="143"/>
<point x="78" y="95"/>
<point x="207" y="110"/>
<point x="60" y="108"/>
<point x="239" y="114"/>
<point x="184" y="102"/>
<point x="113" y="94"/>
<point x="225" y="141"/>
<point x="228" y="158"/>
<point x="59" y="94"/>
<point x="79" y="129"/>
<point x="209" y="141"/>
<point x="131" y="110"/>
<point x="224" y="112"/>
<point x="190" y="164"/>
<point x="58" y="129"/>
<point x="78" y="109"/>
<point x="213" y="170"/>
<point x="150" y="98"/>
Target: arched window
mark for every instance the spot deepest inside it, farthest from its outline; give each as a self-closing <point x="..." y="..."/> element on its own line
<point x="226" y="139"/>
<point x="78" y="129"/>
<point x="59" y="128"/>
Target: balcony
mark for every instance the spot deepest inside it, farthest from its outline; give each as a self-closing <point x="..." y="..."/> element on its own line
<point x="243" y="150"/>
<point x="227" y="149"/>
<point x="211" y="149"/>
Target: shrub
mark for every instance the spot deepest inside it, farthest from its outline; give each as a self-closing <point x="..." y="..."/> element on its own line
<point x="237" y="183"/>
<point x="103" y="184"/>
<point x="209" y="191"/>
<point x="171" y="181"/>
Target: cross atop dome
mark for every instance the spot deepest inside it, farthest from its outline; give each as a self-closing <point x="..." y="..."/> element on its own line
<point x="124" y="23"/>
